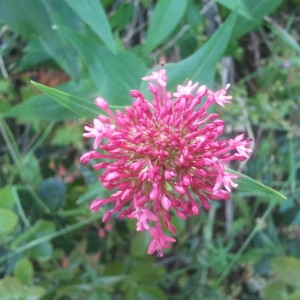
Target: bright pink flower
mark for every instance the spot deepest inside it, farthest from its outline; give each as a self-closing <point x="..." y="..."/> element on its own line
<point x="159" y="241"/>
<point x="142" y="216"/>
<point x="164" y="156"/>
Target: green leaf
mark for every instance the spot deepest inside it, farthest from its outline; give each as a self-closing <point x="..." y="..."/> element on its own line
<point x="11" y="288"/>
<point x="288" y="39"/>
<point x="113" y="74"/>
<point x="255" y="187"/>
<point x="139" y="244"/>
<point x="33" y="54"/>
<point x="294" y="296"/>
<point x="33" y="18"/>
<point x="239" y="6"/>
<point x="34" y="292"/>
<point x="146" y="271"/>
<point x="53" y="192"/>
<point x="201" y="65"/>
<point x="8" y="221"/>
<point x="91" y="12"/>
<point x="287" y="269"/>
<point x="94" y="191"/>
<point x="79" y="106"/>
<point x="42" y="252"/>
<point x="69" y="135"/>
<point x="251" y="13"/>
<point x="166" y="16"/>
<point x="150" y="292"/>
<point x="275" y="291"/>
<point x="17" y="248"/>
<point x="40" y="228"/>
<point x="41" y="107"/>
<point x="122" y="16"/>
<point x="24" y="271"/>
<point x="33" y="171"/>
<point x="8" y="196"/>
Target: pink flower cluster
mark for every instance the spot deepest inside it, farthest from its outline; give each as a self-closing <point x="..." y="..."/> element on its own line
<point x="163" y="157"/>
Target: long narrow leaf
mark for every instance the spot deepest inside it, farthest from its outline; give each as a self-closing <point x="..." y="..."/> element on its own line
<point x="240" y="6"/>
<point x="80" y="106"/>
<point x="41" y="107"/>
<point x="201" y="65"/>
<point x="166" y="16"/>
<point x="255" y="187"/>
<point x="250" y="13"/>
<point x="283" y="35"/>
<point x="91" y="12"/>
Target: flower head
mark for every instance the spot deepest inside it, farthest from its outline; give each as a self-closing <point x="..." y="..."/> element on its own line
<point x="164" y="157"/>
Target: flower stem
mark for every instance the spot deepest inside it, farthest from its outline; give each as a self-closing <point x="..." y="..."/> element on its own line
<point x="255" y="230"/>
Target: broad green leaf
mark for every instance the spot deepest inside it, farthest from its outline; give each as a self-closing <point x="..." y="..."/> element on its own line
<point x="114" y="268"/>
<point x="79" y="106"/>
<point x="8" y="197"/>
<point x="34" y="292"/>
<point x="166" y="16"/>
<point x="114" y="74"/>
<point x="18" y="15"/>
<point x="201" y="65"/>
<point x="32" y="168"/>
<point x="237" y="5"/>
<point x="38" y="19"/>
<point x="52" y="191"/>
<point x="255" y="187"/>
<point x="139" y="243"/>
<point x="150" y="292"/>
<point x="33" y="54"/>
<point x="122" y="16"/>
<point x="275" y="291"/>
<point x="294" y="296"/>
<point x="91" y="12"/>
<point x="251" y="13"/>
<point x="11" y="288"/>
<point x="146" y="271"/>
<point x="24" y="271"/>
<point x="42" y="252"/>
<point x="287" y="269"/>
<point x="259" y="9"/>
<point x="8" y="221"/>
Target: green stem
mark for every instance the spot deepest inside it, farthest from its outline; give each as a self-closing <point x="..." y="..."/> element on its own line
<point x="19" y="208"/>
<point x="256" y="229"/>
<point x="207" y="238"/>
<point x="49" y="237"/>
<point x="10" y="142"/>
<point x="42" y="137"/>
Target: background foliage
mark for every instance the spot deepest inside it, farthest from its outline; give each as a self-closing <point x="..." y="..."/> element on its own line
<point x="51" y="245"/>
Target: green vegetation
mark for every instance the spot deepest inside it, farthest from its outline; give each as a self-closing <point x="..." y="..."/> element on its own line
<point x="56" y="57"/>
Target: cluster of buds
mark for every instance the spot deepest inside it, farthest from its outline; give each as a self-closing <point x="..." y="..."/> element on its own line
<point x="164" y="156"/>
